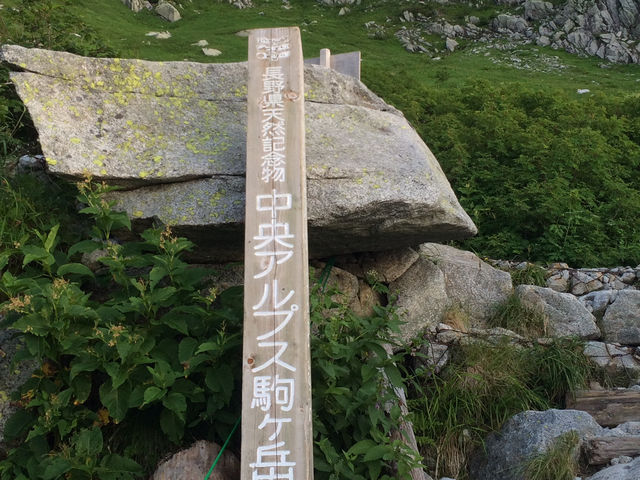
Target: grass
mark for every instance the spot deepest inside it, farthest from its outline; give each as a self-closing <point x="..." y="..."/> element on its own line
<point x="322" y="27"/>
<point x="559" y="462"/>
<point x="482" y="388"/>
<point x="517" y="317"/>
<point x="531" y="274"/>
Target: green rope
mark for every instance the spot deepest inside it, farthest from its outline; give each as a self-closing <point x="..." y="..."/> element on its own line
<point x="226" y="442"/>
<point x="326" y="271"/>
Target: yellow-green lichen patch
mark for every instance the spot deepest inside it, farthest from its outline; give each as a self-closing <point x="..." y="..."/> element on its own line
<point x="138" y="213"/>
<point x="75" y="140"/>
<point x="51" y="161"/>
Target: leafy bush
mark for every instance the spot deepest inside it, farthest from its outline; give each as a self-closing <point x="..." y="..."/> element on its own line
<point x="350" y="394"/>
<point x="138" y="357"/>
<point x="544" y="177"/>
<point x="156" y="346"/>
<point x="482" y="388"/>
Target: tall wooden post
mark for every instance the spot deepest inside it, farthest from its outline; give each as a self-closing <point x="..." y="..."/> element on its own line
<point x="276" y="391"/>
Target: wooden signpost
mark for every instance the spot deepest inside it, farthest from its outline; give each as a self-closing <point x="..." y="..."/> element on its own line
<point x="276" y="390"/>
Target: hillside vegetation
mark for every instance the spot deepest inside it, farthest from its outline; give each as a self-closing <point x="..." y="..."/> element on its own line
<point x="137" y="358"/>
<point x="546" y="173"/>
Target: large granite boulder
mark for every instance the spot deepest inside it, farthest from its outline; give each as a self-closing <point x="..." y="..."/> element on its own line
<point x="525" y="435"/>
<point x="173" y="134"/>
<point x="446" y="278"/>
<point x="565" y="314"/>
<point x="621" y="321"/>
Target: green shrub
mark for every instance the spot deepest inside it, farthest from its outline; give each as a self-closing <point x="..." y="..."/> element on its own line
<point x="140" y="357"/>
<point x="545" y="177"/>
<point x="156" y="347"/>
<point x="350" y="393"/>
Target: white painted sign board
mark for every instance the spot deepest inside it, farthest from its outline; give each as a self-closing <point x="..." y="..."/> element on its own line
<point x="276" y="386"/>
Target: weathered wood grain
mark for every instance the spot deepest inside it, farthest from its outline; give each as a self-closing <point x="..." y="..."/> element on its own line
<point x="609" y="407"/>
<point x="276" y="409"/>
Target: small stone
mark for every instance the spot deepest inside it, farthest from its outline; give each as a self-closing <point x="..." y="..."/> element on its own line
<point x="200" y="43"/>
<point x="211" y="52"/>
<point x="160" y="35"/>
<point x="168" y="12"/>
<point x="621" y="460"/>
<point x="451" y="44"/>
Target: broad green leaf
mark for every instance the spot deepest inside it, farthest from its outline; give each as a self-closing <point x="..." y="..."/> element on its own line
<point x="186" y="348"/>
<point x="56" y="469"/>
<point x="172" y="425"/>
<point x="394" y="376"/>
<point x="89" y="442"/>
<point x="161" y="295"/>
<point x="208" y="347"/>
<point x="81" y="386"/>
<point x="85" y="246"/>
<point x="115" y="400"/>
<point x="83" y="364"/>
<point x="51" y="238"/>
<point x="117" y="372"/>
<point x="176" y="402"/>
<point x="18" y="424"/>
<point x="376" y="453"/>
<point x="153" y="394"/>
<point x="361" y="447"/>
<point x="163" y="375"/>
<point x="76" y="269"/>
<point x="156" y="274"/>
<point x="176" y="320"/>
<point x="118" y="464"/>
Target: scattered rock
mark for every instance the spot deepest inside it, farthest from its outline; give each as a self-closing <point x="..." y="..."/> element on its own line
<point x="624" y="471"/>
<point x="422" y="297"/>
<point x="168" y="12"/>
<point x="134" y="5"/>
<point x="211" y="52"/>
<point x="566" y="316"/>
<point x="389" y="265"/>
<point x="159" y="35"/>
<point x="28" y="163"/>
<point x="433" y="357"/>
<point x="614" y="359"/>
<point x="196" y="461"/>
<point x="621" y="321"/>
<point x="597" y="302"/>
<point x="451" y="44"/>
<point x="469" y="281"/>
<point x="200" y="43"/>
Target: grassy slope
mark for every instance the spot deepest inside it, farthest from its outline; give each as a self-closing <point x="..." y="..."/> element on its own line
<point x="219" y="22"/>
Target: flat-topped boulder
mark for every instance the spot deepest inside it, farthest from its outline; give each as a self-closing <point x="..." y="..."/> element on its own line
<point x="173" y="135"/>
